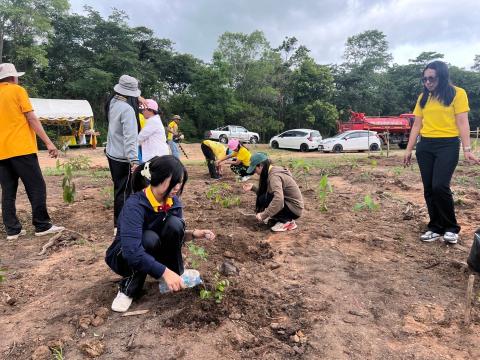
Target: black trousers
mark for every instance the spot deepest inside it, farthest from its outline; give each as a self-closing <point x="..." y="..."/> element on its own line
<point x="210" y="157"/>
<point x="164" y="244"/>
<point x="122" y="185"/>
<point x="437" y="159"/>
<point x="283" y="216"/>
<point x="240" y="170"/>
<point x="26" y="168"/>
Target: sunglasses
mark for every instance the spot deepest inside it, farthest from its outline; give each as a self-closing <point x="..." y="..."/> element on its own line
<point x="429" y="79"/>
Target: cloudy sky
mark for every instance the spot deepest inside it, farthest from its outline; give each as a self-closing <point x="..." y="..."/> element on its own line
<point x="451" y="27"/>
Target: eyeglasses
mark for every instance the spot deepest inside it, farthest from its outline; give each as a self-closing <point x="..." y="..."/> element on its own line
<point x="429" y="79"/>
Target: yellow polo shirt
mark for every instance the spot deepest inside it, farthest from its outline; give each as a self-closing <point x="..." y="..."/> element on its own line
<point x="17" y="138"/>
<point x="243" y="155"/>
<point x="172" y="125"/>
<point x="219" y="150"/>
<point x="438" y="119"/>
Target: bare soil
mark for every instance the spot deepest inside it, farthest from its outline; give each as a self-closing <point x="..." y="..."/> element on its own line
<point x="345" y="285"/>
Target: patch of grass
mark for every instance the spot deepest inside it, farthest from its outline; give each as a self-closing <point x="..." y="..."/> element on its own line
<point x="221" y="193"/>
<point x="57" y="353"/>
<point x="2" y="275"/>
<point x="107" y="197"/>
<point x="462" y="180"/>
<point x="366" y="204"/>
<point x="323" y="190"/>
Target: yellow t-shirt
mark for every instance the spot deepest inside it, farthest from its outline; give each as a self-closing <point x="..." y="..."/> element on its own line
<point x="142" y="120"/>
<point x="17" y="138"/>
<point x="219" y="150"/>
<point x="438" y="119"/>
<point x="174" y="127"/>
<point x="243" y="155"/>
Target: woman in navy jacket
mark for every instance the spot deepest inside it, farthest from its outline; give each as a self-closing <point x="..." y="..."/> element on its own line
<point x="151" y="230"/>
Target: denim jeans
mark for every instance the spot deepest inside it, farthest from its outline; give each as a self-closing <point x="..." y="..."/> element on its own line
<point x="174" y="148"/>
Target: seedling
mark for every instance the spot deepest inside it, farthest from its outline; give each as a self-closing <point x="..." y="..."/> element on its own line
<point x="367" y="204"/>
<point x="374" y="163"/>
<point x="68" y="185"/>
<point x="218" y="293"/>
<point x="197" y="253"/>
<point x="2" y="275"/>
<point x="301" y="168"/>
<point x="323" y="190"/>
<point x="57" y="353"/>
<point x="397" y="171"/>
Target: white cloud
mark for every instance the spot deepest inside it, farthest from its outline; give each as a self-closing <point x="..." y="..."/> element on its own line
<point x="411" y="26"/>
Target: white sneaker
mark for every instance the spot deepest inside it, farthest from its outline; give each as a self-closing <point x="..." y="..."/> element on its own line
<point x="121" y="303"/>
<point x="450" y="237"/>
<point x="16" y="236"/>
<point x="53" y="230"/>
<point x="279" y="226"/>
<point x="429" y="236"/>
<point x="244" y="178"/>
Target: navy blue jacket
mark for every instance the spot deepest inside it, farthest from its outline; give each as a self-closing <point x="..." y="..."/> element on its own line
<point x="136" y="217"/>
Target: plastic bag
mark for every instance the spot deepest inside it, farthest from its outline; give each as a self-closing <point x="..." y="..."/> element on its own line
<point x="474" y="258"/>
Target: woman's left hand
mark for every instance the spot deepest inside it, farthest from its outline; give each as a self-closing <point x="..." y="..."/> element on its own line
<point x="469" y="157"/>
<point x="259" y="217"/>
<point x="205" y="234"/>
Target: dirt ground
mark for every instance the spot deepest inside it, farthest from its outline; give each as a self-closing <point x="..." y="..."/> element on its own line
<point x="345" y="285"/>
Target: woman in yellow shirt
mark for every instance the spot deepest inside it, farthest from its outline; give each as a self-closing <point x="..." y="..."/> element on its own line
<point x="241" y="161"/>
<point x="441" y="117"/>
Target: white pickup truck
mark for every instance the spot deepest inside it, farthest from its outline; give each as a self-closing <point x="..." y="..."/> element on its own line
<point x="225" y="133"/>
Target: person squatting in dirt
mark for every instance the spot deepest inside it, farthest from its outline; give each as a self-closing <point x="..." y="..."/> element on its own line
<point x="441" y="116"/>
<point x="213" y="151"/>
<point x="239" y="160"/>
<point x="18" y="156"/>
<point x="151" y="230"/>
<point x="278" y="196"/>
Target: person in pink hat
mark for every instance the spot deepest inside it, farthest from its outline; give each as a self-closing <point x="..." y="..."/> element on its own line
<point x="239" y="159"/>
<point x="18" y="156"/>
<point x="152" y="137"/>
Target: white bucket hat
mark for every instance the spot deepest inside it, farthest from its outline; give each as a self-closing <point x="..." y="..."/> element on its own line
<point x="127" y="86"/>
<point x="7" y="70"/>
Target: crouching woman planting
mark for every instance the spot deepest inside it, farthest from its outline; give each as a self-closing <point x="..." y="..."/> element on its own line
<point x="278" y="195"/>
<point x="151" y="231"/>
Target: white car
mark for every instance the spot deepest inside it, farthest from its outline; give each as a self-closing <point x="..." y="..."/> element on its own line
<point x="225" y="133"/>
<point x="299" y="139"/>
<point x="353" y="140"/>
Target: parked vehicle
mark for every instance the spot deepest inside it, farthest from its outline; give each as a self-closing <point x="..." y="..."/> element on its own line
<point x="225" y="133"/>
<point x="398" y="127"/>
<point x="299" y="139"/>
<point x="353" y="140"/>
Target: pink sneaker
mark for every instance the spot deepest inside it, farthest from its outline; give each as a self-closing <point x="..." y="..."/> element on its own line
<point x="280" y="227"/>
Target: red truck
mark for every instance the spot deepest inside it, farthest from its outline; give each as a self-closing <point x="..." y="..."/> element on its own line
<point x="397" y="127"/>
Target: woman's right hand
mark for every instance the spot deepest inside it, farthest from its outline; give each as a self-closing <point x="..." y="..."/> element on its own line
<point x="173" y="280"/>
<point x="407" y="158"/>
<point x="247" y="187"/>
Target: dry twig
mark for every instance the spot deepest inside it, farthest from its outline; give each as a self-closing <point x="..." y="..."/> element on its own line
<point x="50" y="242"/>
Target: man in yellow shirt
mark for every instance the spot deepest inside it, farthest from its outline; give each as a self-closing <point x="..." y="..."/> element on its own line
<point x="173" y="134"/>
<point x="214" y="151"/>
<point x="18" y="156"/>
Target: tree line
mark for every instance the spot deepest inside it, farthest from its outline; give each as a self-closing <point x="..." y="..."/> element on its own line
<point x="248" y="81"/>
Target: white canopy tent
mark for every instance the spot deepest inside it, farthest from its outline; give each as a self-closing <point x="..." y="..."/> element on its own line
<point x="77" y="115"/>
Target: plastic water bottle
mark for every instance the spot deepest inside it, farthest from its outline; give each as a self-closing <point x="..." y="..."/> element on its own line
<point x="190" y="278"/>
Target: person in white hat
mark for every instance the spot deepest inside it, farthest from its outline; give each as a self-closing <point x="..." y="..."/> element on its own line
<point x="18" y="156"/>
<point x="122" y="111"/>
<point x="152" y="138"/>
